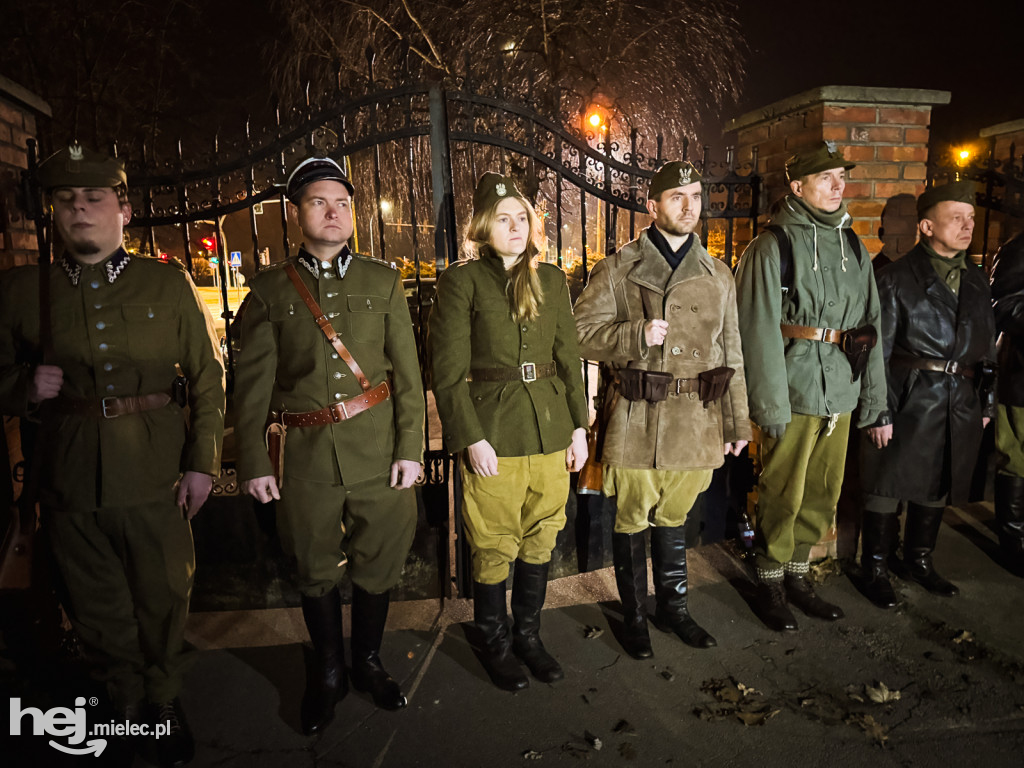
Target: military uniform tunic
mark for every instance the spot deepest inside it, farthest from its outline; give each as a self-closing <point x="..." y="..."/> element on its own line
<point x="519" y="512"/>
<point x="336" y="502"/>
<point x="119" y="329"/>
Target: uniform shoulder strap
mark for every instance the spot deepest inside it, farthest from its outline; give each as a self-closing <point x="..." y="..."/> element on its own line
<point x="785" y="256"/>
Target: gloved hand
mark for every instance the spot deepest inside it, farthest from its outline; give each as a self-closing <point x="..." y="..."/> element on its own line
<point x="774" y="431"/>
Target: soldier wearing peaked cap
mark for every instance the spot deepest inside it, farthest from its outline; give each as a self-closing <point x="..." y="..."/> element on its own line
<point x="938" y="334"/>
<point x="661" y="312"/>
<point x="507" y="377"/>
<point x="809" y="315"/>
<point x="123" y="472"/>
<point x="351" y="410"/>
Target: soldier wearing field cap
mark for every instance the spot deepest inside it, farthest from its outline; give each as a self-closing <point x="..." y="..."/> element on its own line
<point x="809" y="317"/>
<point x="124" y="470"/>
<point x="938" y="334"/>
<point x="661" y="312"/>
<point x="348" y="400"/>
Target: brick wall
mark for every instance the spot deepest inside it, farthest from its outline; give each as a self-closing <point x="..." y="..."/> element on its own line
<point x="883" y="130"/>
<point x="19" y="110"/>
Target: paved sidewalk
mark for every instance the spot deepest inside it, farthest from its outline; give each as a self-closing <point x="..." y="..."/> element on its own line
<point x="952" y="670"/>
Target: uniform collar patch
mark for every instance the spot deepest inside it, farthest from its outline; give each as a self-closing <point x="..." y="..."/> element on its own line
<point x="115" y="264"/>
<point x="72" y="268"/>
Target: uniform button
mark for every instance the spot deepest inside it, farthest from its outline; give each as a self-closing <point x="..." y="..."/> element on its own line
<point x="368" y="304"/>
<point x="337" y="395"/>
<point x="692" y="395"/>
<point x="825" y="268"/>
<point x="696" y="353"/>
<point x="694" y="308"/>
<point x="94" y="284"/>
<point x="479" y="397"/>
<point x="827" y="369"/>
<point x="524" y="329"/>
<point x="100" y="325"/>
<point x="675" y="307"/>
<point x="328" y="275"/>
<point x="334" y="356"/>
<point x="524" y="346"/>
<point x="97" y="306"/>
<point x="108" y="366"/>
<point x="331" y="294"/>
<point x="110" y="387"/>
<point x="676" y="351"/>
<point x="325" y="264"/>
<point x="831" y="303"/>
<point x="150" y="314"/>
<point x="103" y="347"/>
<point x="332" y="314"/>
<point x="337" y="374"/>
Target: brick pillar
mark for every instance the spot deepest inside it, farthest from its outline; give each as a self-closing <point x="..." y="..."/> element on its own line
<point x="18" y="112"/>
<point x="883" y="130"/>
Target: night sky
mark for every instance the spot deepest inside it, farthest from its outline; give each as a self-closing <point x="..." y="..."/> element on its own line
<point x="972" y="49"/>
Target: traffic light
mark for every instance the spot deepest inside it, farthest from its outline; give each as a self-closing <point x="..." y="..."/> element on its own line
<point x="209" y="243"/>
<point x="163" y="256"/>
<point x="214" y="260"/>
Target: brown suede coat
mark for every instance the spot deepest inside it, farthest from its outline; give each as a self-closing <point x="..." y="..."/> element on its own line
<point x="698" y="300"/>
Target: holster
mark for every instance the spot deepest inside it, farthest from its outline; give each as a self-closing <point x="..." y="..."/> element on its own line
<point x="713" y="384"/>
<point x="631" y="383"/>
<point x="275" y="436"/>
<point x="591" y="478"/>
<point x="857" y="345"/>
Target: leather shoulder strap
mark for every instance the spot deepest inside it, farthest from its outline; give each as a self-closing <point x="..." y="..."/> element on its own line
<point x="325" y="326"/>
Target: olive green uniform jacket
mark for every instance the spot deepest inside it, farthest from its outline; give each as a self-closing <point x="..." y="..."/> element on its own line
<point x="832" y="288"/>
<point x="119" y="329"/>
<point x="698" y="299"/>
<point x="471" y="327"/>
<point x="287" y="364"/>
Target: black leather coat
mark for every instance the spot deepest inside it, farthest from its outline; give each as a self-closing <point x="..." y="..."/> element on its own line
<point x="1008" y="302"/>
<point x="937" y="417"/>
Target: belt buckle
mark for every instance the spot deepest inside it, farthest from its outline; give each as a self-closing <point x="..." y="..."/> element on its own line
<point x="334" y="412"/>
<point x="952" y="367"/>
<point x="826" y="332"/>
<point x="103" y="408"/>
<point x="529" y="371"/>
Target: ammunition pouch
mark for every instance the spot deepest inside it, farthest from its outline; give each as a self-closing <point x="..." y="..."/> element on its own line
<point x="713" y="384"/>
<point x="636" y="384"/>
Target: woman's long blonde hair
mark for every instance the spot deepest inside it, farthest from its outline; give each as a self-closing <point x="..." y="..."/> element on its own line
<point x="524" y="283"/>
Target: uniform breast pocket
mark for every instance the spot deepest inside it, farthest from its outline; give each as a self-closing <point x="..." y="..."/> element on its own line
<point x="294" y="323"/>
<point x="152" y="330"/>
<point x="366" y="315"/>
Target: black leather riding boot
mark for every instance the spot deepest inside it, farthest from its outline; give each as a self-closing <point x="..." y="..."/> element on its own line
<point x="878" y="537"/>
<point x="491" y="618"/>
<point x="326" y="683"/>
<point x="629" y="552"/>
<point x="1010" y="518"/>
<point x="921" y="533"/>
<point x="770" y="602"/>
<point x="668" y="561"/>
<point x="369" y="616"/>
<point x="529" y="586"/>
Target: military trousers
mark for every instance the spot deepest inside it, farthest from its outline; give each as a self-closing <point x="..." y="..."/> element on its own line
<point x="799" y="485"/>
<point x="128" y="573"/>
<point x="365" y="528"/>
<point x="515" y="514"/>
<point x="659" y="497"/>
<point x="1010" y="440"/>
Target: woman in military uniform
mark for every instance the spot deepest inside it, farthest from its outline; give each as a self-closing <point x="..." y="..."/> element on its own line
<point x="509" y="390"/>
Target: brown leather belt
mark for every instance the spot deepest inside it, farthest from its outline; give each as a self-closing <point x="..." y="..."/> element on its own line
<point x="828" y="335"/>
<point x="525" y="372"/>
<point x="952" y="367"/>
<point x="335" y="412"/>
<point x="111" y="407"/>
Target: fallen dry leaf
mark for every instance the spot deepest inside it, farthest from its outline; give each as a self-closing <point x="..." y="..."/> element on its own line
<point x="592" y="633"/>
<point x="881" y="694"/>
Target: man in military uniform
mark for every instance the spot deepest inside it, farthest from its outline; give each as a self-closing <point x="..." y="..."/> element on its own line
<point x="939" y="335"/>
<point x="807" y="299"/>
<point x="1008" y="303"/>
<point x="662" y="313"/>
<point x="123" y="473"/>
<point x="354" y="441"/>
